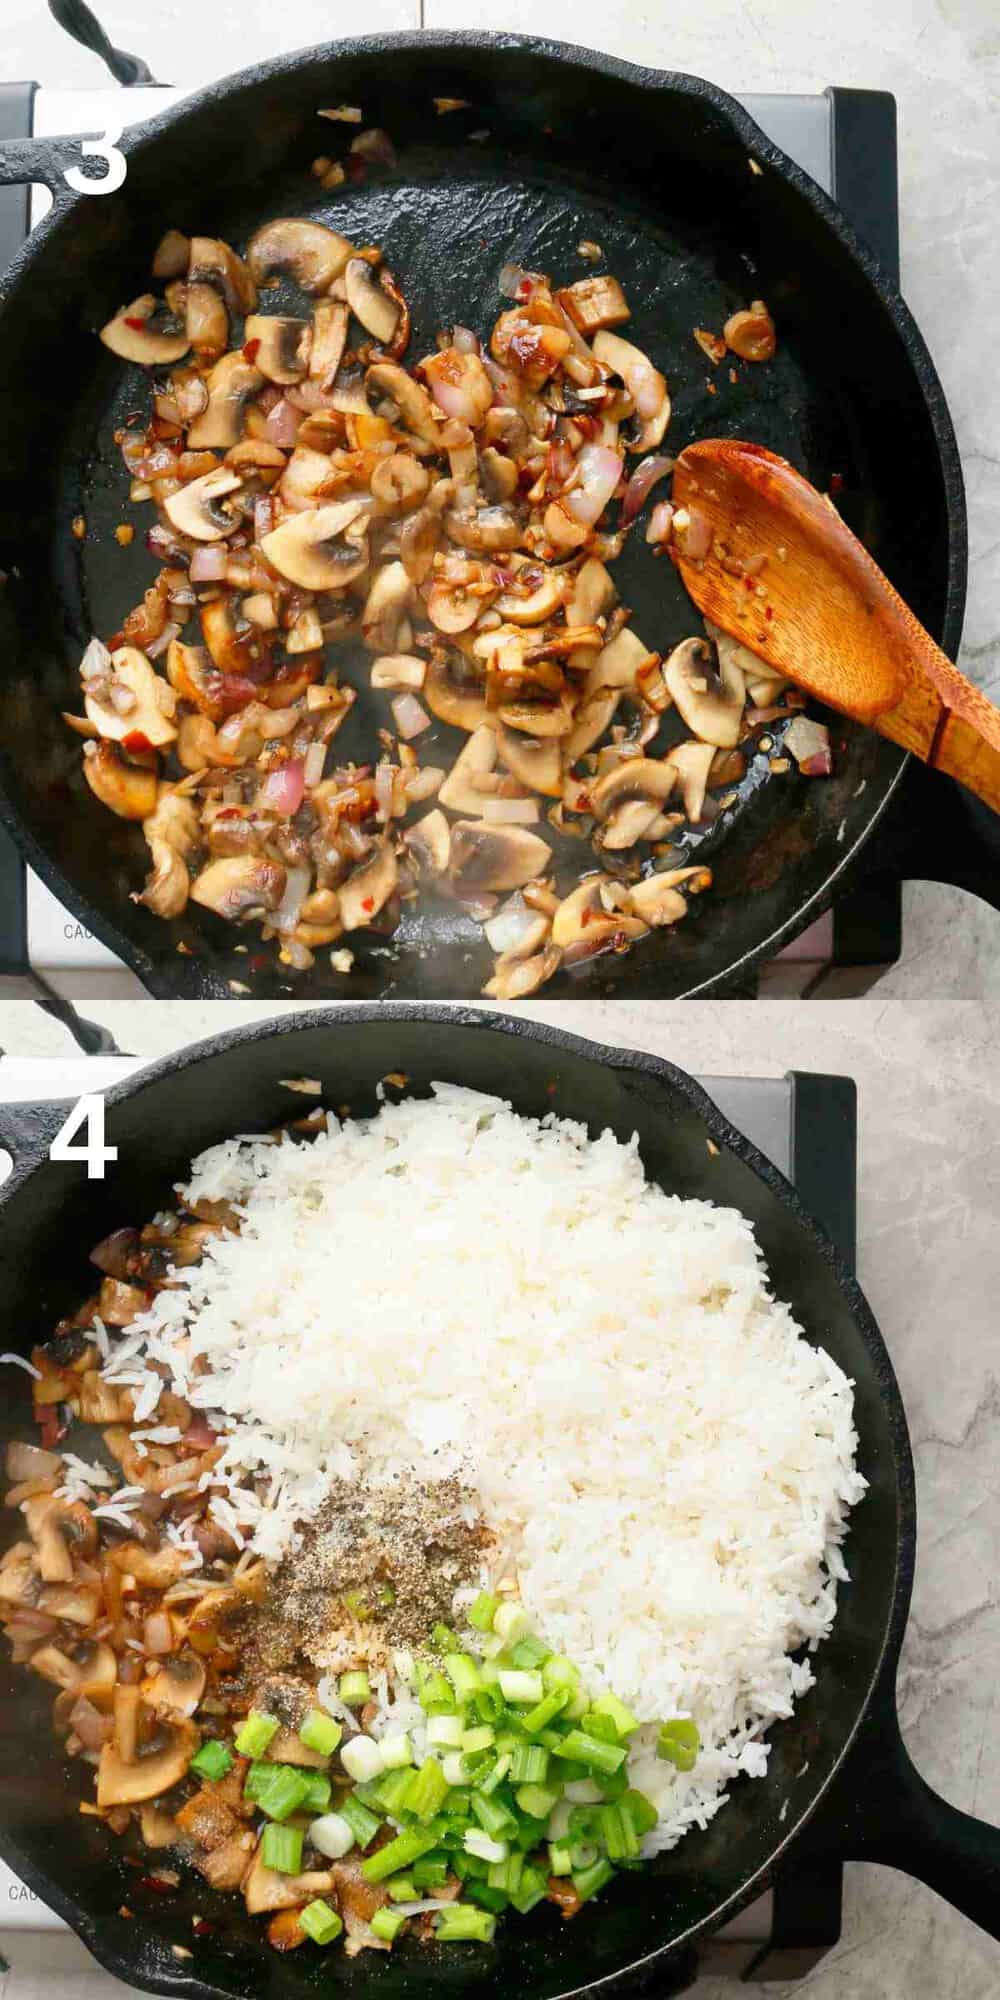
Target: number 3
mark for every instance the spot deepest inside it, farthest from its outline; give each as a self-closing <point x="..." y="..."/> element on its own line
<point x="105" y="148"/>
<point x="87" y="1113"/>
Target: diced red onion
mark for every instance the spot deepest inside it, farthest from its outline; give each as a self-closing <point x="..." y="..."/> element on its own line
<point x="183" y="597"/>
<point x="282" y="425"/>
<point x="208" y="563"/>
<point x="511" y="927"/>
<point x="661" y="522"/>
<point x="385" y="780"/>
<point x="374" y="144"/>
<point x="263" y="516"/>
<point x="510" y="280"/>
<point x="162" y="542"/>
<point x="598" y="473"/>
<point x="353" y="840"/>
<point x="283" y="787"/>
<point x="96" y="661"/>
<point x="93" y="1728"/>
<point x="643" y="479"/>
<point x="312" y="769"/>
<point x="158" y="1633"/>
<point x="809" y="744"/>
<point x="410" y="716"/>
<point x="162" y="641"/>
<point x="28" y="1461"/>
<point x="465" y="340"/>
<point x="289" y="909"/>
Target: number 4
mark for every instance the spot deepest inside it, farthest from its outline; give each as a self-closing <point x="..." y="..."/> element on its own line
<point x="87" y="1114"/>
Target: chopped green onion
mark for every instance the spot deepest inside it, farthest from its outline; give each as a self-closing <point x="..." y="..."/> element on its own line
<point x="355" y="1689"/>
<point x="399" y="1853"/>
<point x="445" y="1732"/>
<point x="544" y="1712"/>
<point x="443" y="1638"/>
<point x="641" y="1811"/>
<point x="493" y="1778"/>
<point x="317" y="1796"/>
<point x="402" y="1889"/>
<point x="320" y="1922"/>
<point x="212" y="1761"/>
<point x="587" y="1881"/>
<point x="392" y="1792"/>
<point x="319" y="1732"/>
<point x="462" y="1923"/>
<point x="387" y="1924"/>
<point x="474" y="1740"/>
<point x="363" y="1824"/>
<point x="431" y="1871"/>
<point x="482" y="1613"/>
<point x="558" y="1672"/>
<point x="506" y="1874"/>
<point x="434" y="1692"/>
<point x="599" y="1726"/>
<point x="618" y="1834"/>
<point x="677" y="1743"/>
<point x="624" y="1721"/>
<point x="428" y="1788"/>
<point x="357" y="1606"/>
<point x="281" y="1849"/>
<point x="529" y="1652"/>
<point x="386" y="1596"/>
<point x="535" y="1800"/>
<point x="397" y="1750"/>
<point x="510" y="1622"/>
<point x="588" y="1750"/>
<point x="531" y="1890"/>
<point x="519" y="1686"/>
<point x="487" y="1898"/>
<point x="529" y="1765"/>
<point x="468" y="1867"/>
<point x="257" y="1731"/>
<point x="284" y="1793"/>
<point x="493" y="1817"/>
<point x="464" y="1675"/>
<point x="560" y="1858"/>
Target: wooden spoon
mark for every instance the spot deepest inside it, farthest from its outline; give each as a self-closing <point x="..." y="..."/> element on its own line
<point x="820" y="611"/>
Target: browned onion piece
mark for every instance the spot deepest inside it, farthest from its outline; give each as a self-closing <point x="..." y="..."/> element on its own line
<point x="93" y="1728"/>
<point x="28" y="1461"/>
<point x="598" y="471"/>
<point x="641" y="484"/>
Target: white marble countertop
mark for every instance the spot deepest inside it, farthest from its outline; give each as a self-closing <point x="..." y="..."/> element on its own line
<point x="929" y="1259"/>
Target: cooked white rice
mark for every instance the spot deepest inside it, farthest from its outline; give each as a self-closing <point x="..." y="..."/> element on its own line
<point x="454" y="1289"/>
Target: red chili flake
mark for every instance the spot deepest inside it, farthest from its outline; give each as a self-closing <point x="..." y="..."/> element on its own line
<point x="251" y="351"/>
<point x="367" y="902"/>
<point x="117" y="639"/>
<point x="202" y="1929"/>
<point x="136" y="741"/>
<point x="587" y="917"/>
<point x="154" y="1882"/>
<point x="584" y="802"/>
<point x="748" y="583"/>
<point x="135" y="323"/>
<point x="836" y="482"/>
<point x="769" y="610"/>
<point x="259" y="962"/>
<point x="229" y="812"/>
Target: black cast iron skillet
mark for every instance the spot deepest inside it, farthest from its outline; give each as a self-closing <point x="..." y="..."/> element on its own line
<point x="838" y="1771"/>
<point x="656" y="168"/>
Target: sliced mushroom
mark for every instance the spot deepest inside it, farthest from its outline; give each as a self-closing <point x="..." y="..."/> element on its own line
<point x="206" y="321"/>
<point x="763" y="684"/>
<point x="710" y="701"/>
<point x="128" y="789"/>
<point x="177" y="1685"/>
<point x="495" y="857"/>
<point x="385" y="608"/>
<point x="657" y="899"/>
<point x="20" y="1578"/>
<point x="692" y="763"/>
<point x="130" y="336"/>
<point x="157" y="1767"/>
<point x="370" y="302"/>
<point x="168" y="884"/>
<point x="517" y="978"/>
<point x="630" y="796"/>
<point x="538" y="604"/>
<point x="491" y="531"/>
<point x="593" y="915"/>
<point x="307" y="252"/>
<point x="399" y="670"/>
<point x="646" y="386"/>
<point x="416" y="411"/>
<point x="193" y="676"/>
<point x="617" y="663"/>
<point x="311" y="548"/>
<point x="367" y="891"/>
<point x="459" y="385"/>
<point x="535" y="761"/>
<point x="461" y="792"/>
<point x="194" y="509"/>
<point x="499" y="476"/>
<point x="88" y="1669"/>
<point x="429" y="841"/>
<point x="212" y="262"/>
<point x="264" y="1889"/>
<point x="171" y="256"/>
<point x="592" y="718"/>
<point x="329" y="339"/>
<point x="592" y="595"/>
<point x="231" y="642"/>
<point x="231" y="384"/>
<point x="542" y="718"/>
<point x="60" y="1529"/>
<point x="279" y="346"/>
<point x="399" y="482"/>
<point x="148" y="721"/>
<point x="238" y="886"/>
<point x="418" y="542"/>
<point x="256" y="455"/>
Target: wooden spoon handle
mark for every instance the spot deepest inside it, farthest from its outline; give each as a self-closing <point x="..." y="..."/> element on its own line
<point x="832" y="621"/>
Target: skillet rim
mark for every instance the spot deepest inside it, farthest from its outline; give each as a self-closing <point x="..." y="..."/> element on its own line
<point x="638" y="1063"/>
<point x="177" y="979"/>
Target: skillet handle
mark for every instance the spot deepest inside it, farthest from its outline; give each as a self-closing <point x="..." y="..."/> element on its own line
<point x="26" y="1133"/>
<point x="42" y="160"/>
<point x="84" y="27"/>
<point x="898" y="1820"/>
